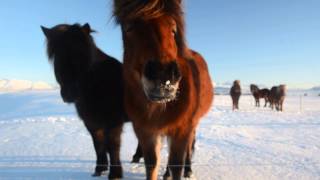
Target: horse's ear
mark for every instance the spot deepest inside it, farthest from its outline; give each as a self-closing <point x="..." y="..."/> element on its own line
<point x="47" y="32"/>
<point x="179" y="1"/>
<point x="86" y="27"/>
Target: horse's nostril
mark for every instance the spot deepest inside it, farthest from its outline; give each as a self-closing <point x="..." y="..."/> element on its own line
<point x="152" y="70"/>
<point x="166" y="73"/>
<point x="173" y="70"/>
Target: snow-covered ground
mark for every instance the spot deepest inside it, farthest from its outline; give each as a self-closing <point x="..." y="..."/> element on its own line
<point x="42" y="138"/>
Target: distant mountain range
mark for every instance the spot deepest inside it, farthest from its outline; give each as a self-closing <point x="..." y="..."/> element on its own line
<point x="23" y="85"/>
<point x="317" y="88"/>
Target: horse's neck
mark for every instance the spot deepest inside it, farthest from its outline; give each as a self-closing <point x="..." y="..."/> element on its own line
<point x="95" y="54"/>
<point x="99" y="55"/>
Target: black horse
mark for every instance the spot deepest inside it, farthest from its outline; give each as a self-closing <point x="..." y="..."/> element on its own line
<point x="93" y="81"/>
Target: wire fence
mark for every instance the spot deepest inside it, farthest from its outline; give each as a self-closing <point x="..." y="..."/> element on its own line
<point x="137" y="171"/>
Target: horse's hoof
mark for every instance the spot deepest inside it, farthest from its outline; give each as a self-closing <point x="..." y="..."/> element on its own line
<point x="99" y="170"/>
<point x="187" y="174"/>
<point x="115" y="177"/>
<point x="167" y="176"/>
<point x="135" y="160"/>
<point x="96" y="174"/>
<point x="115" y="173"/>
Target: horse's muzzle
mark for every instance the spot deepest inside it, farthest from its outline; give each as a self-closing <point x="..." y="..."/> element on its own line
<point x="160" y="81"/>
<point x="162" y="95"/>
<point x="160" y="92"/>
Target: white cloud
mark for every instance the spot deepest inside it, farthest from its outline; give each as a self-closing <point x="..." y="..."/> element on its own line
<point x="23" y="85"/>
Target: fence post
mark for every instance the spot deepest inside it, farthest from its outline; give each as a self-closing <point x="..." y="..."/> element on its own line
<point x="300" y="103"/>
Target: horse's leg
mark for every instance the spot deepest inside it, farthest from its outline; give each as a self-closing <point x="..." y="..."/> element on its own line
<point x="167" y="174"/>
<point x="237" y="104"/>
<point x="187" y="165"/>
<point x="281" y="104"/>
<point x="150" y="144"/>
<point x="190" y="151"/>
<point x="232" y="103"/>
<point x="98" y="138"/>
<point x="270" y="102"/>
<point x="273" y="106"/>
<point x="113" y="141"/>
<point x="178" y="151"/>
<point x="265" y="102"/>
<point x="136" y="157"/>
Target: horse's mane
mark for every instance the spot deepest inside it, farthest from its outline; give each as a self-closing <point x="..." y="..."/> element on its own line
<point x="283" y="89"/>
<point x="236" y="82"/>
<point x="254" y="88"/>
<point x="66" y="45"/>
<point x="131" y="10"/>
<point x="126" y="10"/>
<point x="52" y="43"/>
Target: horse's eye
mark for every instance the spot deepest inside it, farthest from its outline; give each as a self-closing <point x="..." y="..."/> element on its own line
<point x="128" y="28"/>
<point x="173" y="32"/>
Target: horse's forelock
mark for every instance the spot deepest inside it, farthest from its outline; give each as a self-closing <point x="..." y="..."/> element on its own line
<point x="50" y="50"/>
<point x="254" y="88"/>
<point x="54" y="43"/>
<point x="131" y="10"/>
<point x="128" y="10"/>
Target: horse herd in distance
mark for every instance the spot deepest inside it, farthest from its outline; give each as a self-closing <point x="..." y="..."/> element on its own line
<point x="274" y="96"/>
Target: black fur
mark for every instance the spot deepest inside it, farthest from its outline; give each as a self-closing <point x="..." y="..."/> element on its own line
<point x="93" y="81"/>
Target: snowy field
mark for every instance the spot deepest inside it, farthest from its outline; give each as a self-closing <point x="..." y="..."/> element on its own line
<point x="42" y="138"/>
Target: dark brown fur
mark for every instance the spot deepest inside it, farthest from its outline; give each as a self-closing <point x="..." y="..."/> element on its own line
<point x="93" y="81"/>
<point x="277" y="97"/>
<point x="153" y="36"/>
<point x="235" y="93"/>
<point x="260" y="93"/>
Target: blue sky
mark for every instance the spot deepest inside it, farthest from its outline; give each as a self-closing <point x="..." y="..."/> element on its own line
<point x="265" y="42"/>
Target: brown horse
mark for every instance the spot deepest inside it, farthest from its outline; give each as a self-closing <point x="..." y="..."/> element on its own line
<point x="167" y="86"/>
<point x="277" y="96"/>
<point x="260" y="93"/>
<point x="235" y="93"/>
<point x="93" y="81"/>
